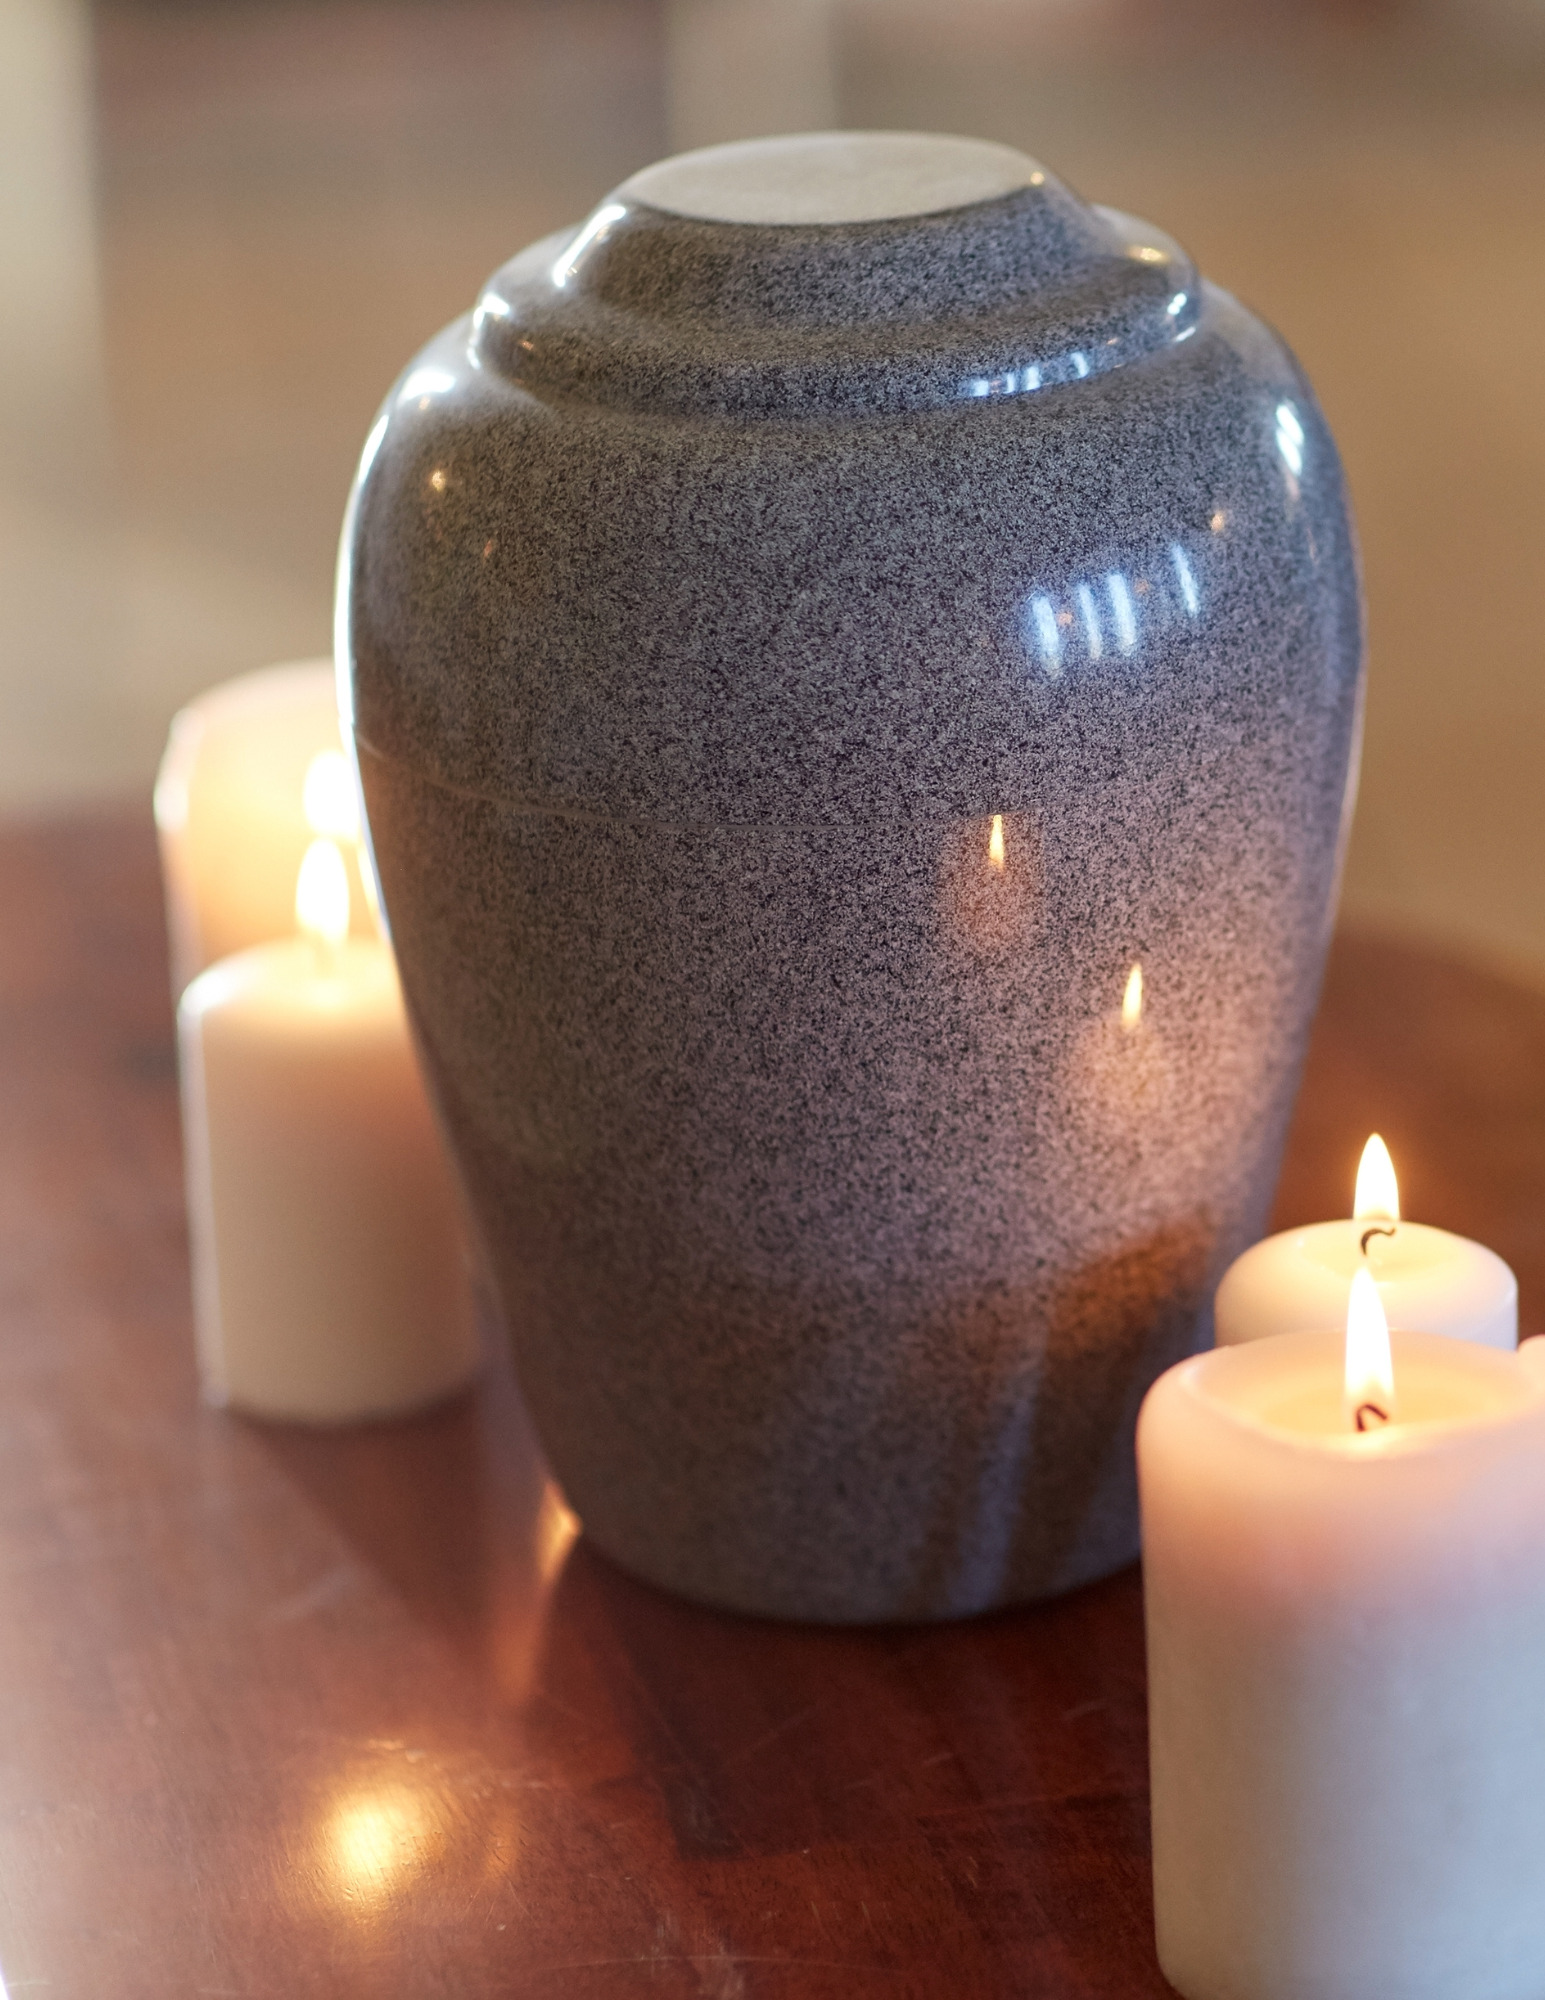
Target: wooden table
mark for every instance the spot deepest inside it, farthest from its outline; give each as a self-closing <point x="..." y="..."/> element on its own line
<point x="294" y="1714"/>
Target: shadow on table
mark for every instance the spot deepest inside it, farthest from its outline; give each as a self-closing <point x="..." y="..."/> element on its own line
<point x="920" y="1774"/>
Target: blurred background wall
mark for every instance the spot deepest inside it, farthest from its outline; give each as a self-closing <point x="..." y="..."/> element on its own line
<point x="224" y="227"/>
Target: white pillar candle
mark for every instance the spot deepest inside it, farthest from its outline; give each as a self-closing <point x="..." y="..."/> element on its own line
<point x="330" y="1282"/>
<point x="1346" y="1634"/>
<point x="231" y="810"/>
<point x="1427" y="1278"/>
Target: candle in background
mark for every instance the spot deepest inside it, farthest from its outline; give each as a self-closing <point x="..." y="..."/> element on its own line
<point x="1346" y="1623"/>
<point x="330" y="1283"/>
<point x="229" y="810"/>
<point x="1427" y="1278"/>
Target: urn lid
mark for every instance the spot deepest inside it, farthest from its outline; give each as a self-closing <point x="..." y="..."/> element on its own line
<point x="832" y="177"/>
<point x="831" y="271"/>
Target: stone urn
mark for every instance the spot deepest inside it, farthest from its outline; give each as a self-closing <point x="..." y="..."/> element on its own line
<point x="854" y="657"/>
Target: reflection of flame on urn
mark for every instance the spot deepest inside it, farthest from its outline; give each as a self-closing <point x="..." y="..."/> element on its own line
<point x="1122" y="1072"/>
<point x="990" y="881"/>
<point x="1132" y="1001"/>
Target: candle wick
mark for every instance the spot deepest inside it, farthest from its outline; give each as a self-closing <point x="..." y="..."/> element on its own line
<point x="1370" y="1413"/>
<point x="1377" y="1230"/>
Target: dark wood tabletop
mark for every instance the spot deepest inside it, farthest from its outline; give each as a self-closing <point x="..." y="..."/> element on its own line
<point x="302" y="1714"/>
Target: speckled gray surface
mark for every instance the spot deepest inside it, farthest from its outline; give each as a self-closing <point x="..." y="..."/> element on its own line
<point x="798" y="672"/>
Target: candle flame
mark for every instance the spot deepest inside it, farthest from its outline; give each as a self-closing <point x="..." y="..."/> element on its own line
<point x="331" y="807"/>
<point x="1370" y="1370"/>
<point x="1132" y="1000"/>
<point x="1378" y="1194"/>
<point x="322" y="895"/>
<point x="995" y="857"/>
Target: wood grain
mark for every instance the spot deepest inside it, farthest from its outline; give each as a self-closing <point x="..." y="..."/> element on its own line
<point x="352" y="1715"/>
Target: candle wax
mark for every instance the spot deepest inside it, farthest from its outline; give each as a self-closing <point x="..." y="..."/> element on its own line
<point x="230" y="811"/>
<point x="1428" y="1279"/>
<point x="1345" y="1638"/>
<point x="329" y="1275"/>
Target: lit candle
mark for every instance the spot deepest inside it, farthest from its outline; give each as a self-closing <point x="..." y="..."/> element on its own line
<point x="1346" y="1622"/>
<point x="1427" y="1278"/>
<point x="230" y="814"/>
<point x="329" y="1277"/>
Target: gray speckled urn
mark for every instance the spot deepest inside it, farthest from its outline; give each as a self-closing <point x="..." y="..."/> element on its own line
<point x="855" y="663"/>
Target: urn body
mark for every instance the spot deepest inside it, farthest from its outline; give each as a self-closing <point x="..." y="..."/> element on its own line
<point x="857" y="713"/>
